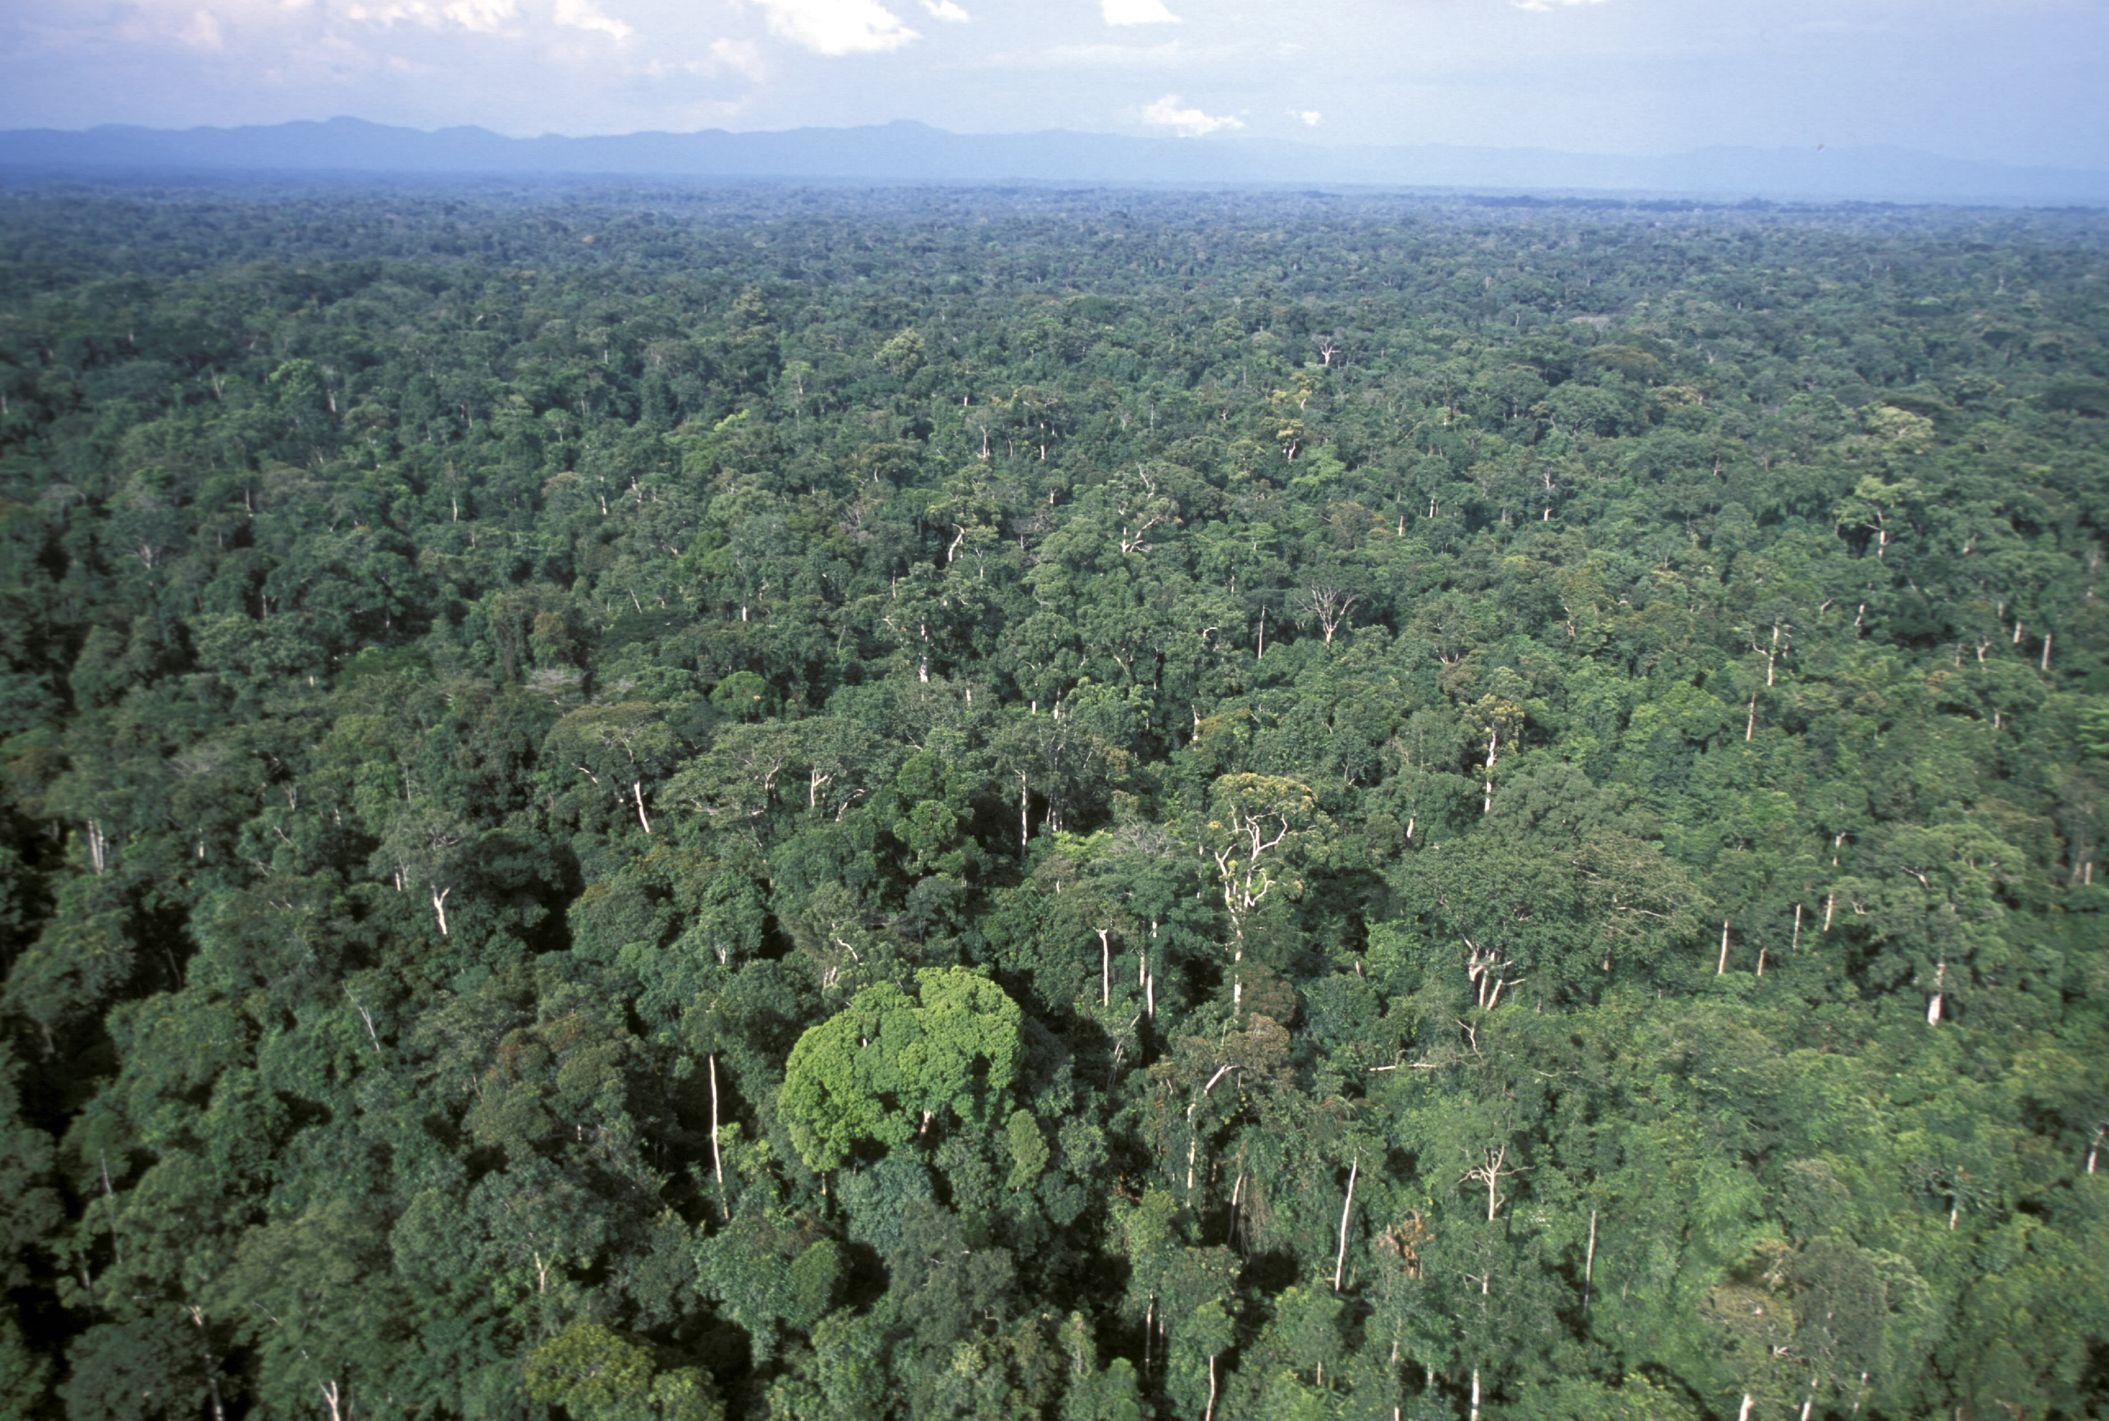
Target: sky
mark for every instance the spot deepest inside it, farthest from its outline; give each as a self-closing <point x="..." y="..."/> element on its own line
<point x="2018" y="81"/>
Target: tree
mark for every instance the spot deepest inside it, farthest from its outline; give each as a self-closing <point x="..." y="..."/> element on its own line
<point x="1260" y="829"/>
<point x="885" y="1068"/>
<point x="622" y="751"/>
<point x="594" y="1373"/>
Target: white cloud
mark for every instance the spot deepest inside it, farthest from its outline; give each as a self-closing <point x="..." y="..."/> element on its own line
<point x="585" y="15"/>
<point x="945" y="10"/>
<point x="1136" y="12"/>
<point x="1544" y="6"/>
<point x="203" y="32"/>
<point x="477" y="16"/>
<point x="1175" y="113"/>
<point x="836" y="27"/>
<point x="483" y="16"/>
<point x="1310" y="118"/>
<point x="741" y="56"/>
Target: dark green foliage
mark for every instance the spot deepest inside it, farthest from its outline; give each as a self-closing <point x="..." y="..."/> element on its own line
<point x="1050" y="805"/>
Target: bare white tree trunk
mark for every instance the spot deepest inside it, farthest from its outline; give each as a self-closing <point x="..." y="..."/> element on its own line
<point x="212" y="1364"/>
<point x="1748" y="1401"/>
<point x="439" y="907"/>
<point x="365" y="1016"/>
<point x="1210" y="1414"/>
<point x="1722" y="965"/>
<point x="717" y="1161"/>
<point x="1105" y="968"/>
<point x="1589" y="1261"/>
<point x="1475" y="1394"/>
<point x="637" y="792"/>
<point x="1340" y="1258"/>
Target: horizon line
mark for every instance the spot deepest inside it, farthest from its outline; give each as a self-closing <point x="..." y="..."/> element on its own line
<point x="1228" y="140"/>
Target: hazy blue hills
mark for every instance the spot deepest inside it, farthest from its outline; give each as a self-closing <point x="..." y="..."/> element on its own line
<point x="916" y="153"/>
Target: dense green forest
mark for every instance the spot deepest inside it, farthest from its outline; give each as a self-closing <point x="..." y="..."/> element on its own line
<point x="831" y="805"/>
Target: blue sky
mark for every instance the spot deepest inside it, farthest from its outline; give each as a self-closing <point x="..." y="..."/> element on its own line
<point x="2010" y="80"/>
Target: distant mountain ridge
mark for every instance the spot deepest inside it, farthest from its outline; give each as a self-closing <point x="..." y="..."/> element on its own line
<point x="916" y="153"/>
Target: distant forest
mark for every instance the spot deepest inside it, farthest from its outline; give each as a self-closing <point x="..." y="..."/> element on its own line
<point x="625" y="803"/>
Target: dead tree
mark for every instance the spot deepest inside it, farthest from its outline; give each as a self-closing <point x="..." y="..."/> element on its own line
<point x="1329" y="606"/>
<point x="1490" y="1172"/>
